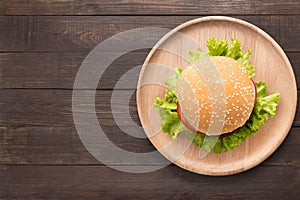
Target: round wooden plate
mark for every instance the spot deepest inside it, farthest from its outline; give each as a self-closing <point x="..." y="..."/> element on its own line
<point x="272" y="66"/>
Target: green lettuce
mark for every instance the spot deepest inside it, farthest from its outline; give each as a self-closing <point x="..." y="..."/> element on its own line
<point x="170" y="121"/>
<point x="217" y="47"/>
<point x="220" y="48"/>
<point x="264" y="108"/>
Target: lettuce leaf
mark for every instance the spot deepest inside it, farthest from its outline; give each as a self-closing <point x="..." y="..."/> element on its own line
<point x="170" y="121"/>
<point x="235" y="50"/>
<point x="220" y="48"/>
<point x="244" y="59"/>
<point x="169" y="102"/>
<point x="216" y="47"/>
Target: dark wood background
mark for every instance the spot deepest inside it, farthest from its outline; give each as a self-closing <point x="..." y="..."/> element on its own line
<point x="42" y="44"/>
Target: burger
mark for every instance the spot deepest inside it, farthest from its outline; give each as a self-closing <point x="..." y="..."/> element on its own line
<point x="189" y="103"/>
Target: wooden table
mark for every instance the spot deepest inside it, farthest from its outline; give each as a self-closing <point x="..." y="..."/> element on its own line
<point x="42" y="45"/>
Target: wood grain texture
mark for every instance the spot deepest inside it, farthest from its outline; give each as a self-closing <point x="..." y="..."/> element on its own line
<point x="83" y="33"/>
<point x="54" y="107"/>
<point x="272" y="67"/>
<point x="36" y="145"/>
<point x="58" y="70"/>
<point x="94" y="182"/>
<point x="135" y="7"/>
<point x="42" y="44"/>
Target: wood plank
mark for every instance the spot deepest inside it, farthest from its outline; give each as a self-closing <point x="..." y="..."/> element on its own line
<point x="62" y="146"/>
<point x="134" y="7"/>
<point x="36" y="126"/>
<point x="58" y="70"/>
<point x="99" y="182"/>
<point x="54" y="107"/>
<point x="82" y="33"/>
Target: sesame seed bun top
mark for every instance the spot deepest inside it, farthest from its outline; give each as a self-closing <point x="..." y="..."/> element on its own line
<point x="196" y="101"/>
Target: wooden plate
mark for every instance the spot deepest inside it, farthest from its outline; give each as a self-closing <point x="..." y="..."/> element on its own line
<point x="272" y="66"/>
